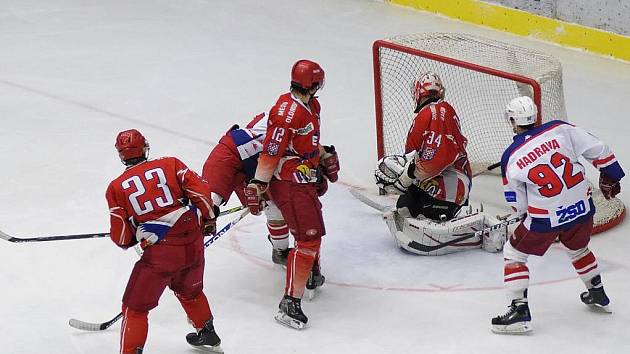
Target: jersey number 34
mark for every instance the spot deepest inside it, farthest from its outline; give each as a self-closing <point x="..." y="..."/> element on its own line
<point x="550" y="183"/>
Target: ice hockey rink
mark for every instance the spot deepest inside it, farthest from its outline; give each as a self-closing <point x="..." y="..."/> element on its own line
<point x="73" y="73"/>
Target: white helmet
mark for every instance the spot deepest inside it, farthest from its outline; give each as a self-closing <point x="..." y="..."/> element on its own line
<point x="523" y="110"/>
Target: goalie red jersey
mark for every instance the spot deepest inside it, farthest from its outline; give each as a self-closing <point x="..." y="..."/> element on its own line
<point x="436" y="135"/>
<point x="291" y="147"/>
<point x="150" y="195"/>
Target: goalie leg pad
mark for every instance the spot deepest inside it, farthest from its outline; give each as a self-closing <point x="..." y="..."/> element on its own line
<point x="428" y="238"/>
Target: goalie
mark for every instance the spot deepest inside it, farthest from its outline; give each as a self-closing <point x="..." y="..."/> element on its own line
<point x="434" y="180"/>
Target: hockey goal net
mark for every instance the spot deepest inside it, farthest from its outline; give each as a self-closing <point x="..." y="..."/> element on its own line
<point x="480" y="77"/>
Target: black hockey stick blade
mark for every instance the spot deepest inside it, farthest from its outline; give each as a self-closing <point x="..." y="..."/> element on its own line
<point x="52" y="238"/>
<point x="88" y="326"/>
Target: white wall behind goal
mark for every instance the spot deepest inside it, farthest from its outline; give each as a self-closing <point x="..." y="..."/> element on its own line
<point x="607" y="15"/>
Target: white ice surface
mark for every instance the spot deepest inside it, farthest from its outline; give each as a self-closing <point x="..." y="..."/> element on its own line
<point x="75" y="72"/>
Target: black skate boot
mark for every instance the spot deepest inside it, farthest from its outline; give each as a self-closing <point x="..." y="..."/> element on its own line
<point x="279" y="256"/>
<point x="205" y="339"/>
<point x="290" y="313"/>
<point x="315" y="280"/>
<point x="515" y="321"/>
<point x="596" y="297"/>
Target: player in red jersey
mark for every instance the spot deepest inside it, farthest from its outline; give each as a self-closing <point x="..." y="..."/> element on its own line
<point x="163" y="205"/>
<point x="434" y="178"/>
<point x="231" y="163"/>
<point x="437" y="170"/>
<point x="289" y="168"/>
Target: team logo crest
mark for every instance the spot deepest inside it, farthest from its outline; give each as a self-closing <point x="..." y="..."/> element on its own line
<point x="427" y="154"/>
<point x="272" y="148"/>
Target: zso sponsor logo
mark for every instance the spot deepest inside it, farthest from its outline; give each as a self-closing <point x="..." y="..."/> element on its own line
<point x="571" y="212"/>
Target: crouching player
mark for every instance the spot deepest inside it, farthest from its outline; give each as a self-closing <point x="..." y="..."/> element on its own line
<point x="544" y="181"/>
<point x="434" y="180"/>
<point x="231" y="164"/>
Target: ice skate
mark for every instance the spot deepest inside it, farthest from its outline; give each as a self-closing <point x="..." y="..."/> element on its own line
<point x="290" y="313"/>
<point x="515" y="321"/>
<point x="206" y="339"/>
<point x="315" y="280"/>
<point x="279" y="256"/>
<point x="596" y="298"/>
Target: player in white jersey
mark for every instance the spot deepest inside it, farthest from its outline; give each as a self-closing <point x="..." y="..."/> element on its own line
<point x="231" y="164"/>
<point x="545" y="182"/>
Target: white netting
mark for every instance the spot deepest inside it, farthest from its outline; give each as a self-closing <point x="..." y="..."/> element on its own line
<point x="478" y="97"/>
<point x="480" y="76"/>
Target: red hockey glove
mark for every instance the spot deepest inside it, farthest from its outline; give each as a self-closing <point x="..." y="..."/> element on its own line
<point x="322" y="186"/>
<point x="210" y="226"/>
<point x="255" y="196"/>
<point x="609" y="187"/>
<point x="330" y="162"/>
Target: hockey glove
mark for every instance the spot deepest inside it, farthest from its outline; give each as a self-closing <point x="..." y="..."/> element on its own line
<point x="330" y="162"/>
<point x="255" y="196"/>
<point x="609" y="187"/>
<point x="322" y="186"/>
<point x="210" y="226"/>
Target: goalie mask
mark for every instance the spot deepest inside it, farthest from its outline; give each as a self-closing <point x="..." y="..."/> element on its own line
<point x="428" y="87"/>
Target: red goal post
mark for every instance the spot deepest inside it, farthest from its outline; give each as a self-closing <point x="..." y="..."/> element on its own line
<point x="480" y="77"/>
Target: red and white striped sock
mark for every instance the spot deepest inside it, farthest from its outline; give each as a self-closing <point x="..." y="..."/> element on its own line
<point x="585" y="265"/>
<point x="279" y="236"/>
<point x="516" y="280"/>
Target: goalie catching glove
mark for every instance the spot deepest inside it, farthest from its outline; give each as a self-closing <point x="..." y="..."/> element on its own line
<point x="392" y="173"/>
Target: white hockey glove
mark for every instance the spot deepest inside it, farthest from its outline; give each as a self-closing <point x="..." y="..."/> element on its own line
<point x="391" y="173"/>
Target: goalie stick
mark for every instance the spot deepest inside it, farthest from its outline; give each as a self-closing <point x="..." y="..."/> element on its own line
<point x="94" y="327"/>
<point x="14" y="239"/>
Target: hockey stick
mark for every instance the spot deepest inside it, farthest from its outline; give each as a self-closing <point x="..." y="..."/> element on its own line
<point x="368" y="201"/>
<point x="82" y="236"/>
<point x="487" y="169"/>
<point x="52" y="238"/>
<point x="89" y="326"/>
<point x="425" y="248"/>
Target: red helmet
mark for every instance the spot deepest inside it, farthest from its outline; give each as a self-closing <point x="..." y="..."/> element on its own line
<point x="307" y="74"/>
<point x="428" y="85"/>
<point x="131" y="144"/>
